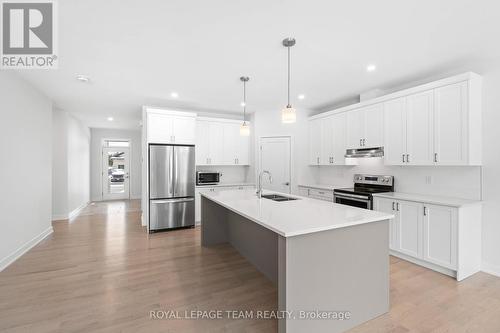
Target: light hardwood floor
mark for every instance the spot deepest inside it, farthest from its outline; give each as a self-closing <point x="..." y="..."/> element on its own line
<point x="102" y="273"/>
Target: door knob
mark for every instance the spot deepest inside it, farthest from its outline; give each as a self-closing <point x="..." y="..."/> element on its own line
<point x="286" y="184"/>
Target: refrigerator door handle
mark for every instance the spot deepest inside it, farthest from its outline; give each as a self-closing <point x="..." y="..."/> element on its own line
<point x="171" y="172"/>
<point x="171" y="201"/>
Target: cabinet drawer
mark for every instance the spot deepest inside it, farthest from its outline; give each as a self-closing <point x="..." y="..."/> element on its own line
<point x="324" y="194"/>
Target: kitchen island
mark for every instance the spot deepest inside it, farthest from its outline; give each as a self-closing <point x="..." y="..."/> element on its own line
<point x="326" y="259"/>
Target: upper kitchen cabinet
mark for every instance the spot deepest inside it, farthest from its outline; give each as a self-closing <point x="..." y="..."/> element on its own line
<point x="327" y="140"/>
<point x="171" y="127"/>
<point x="365" y="127"/>
<point x="219" y="143"/>
<point x="408" y="124"/>
<point x="457" y="123"/>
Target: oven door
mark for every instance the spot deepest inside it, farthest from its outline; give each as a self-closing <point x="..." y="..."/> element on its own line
<point x="353" y="200"/>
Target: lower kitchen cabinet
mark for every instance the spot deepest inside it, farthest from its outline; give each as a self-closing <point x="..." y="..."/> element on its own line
<point x="315" y="193"/>
<point x="443" y="238"/>
<point x="198" y="190"/>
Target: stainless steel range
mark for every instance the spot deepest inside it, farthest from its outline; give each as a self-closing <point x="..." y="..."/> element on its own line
<point x="364" y="186"/>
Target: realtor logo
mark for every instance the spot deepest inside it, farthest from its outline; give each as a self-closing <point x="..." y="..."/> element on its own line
<point x="28" y="31"/>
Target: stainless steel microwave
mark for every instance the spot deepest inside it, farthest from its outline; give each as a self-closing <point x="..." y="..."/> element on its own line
<point x="207" y="178"/>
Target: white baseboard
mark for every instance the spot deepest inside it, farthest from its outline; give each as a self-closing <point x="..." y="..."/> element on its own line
<point x="490" y="269"/>
<point x="425" y="264"/>
<point x="25" y="248"/>
<point x="74" y="213"/>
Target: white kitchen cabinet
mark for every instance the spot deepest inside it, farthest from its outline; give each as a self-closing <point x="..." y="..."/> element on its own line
<point x="171" y="127"/>
<point x="388" y="206"/>
<point x="219" y="143"/>
<point x="409" y="130"/>
<point x="315" y="141"/>
<point x="437" y="123"/>
<point x="450" y="124"/>
<point x="419" y="128"/>
<point x="365" y="127"/>
<point x="440" y="235"/>
<point x="409" y="228"/>
<point x="327" y="139"/>
<point x="395" y="131"/>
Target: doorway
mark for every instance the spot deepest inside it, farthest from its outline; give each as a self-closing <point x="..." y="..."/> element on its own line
<point x="116" y="170"/>
<point x="275" y="157"/>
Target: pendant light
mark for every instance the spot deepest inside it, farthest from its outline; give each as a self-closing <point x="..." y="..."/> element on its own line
<point x="244" y="128"/>
<point x="288" y="114"/>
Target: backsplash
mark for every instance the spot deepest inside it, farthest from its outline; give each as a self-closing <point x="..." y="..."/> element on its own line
<point x="459" y="182"/>
<point x="230" y="174"/>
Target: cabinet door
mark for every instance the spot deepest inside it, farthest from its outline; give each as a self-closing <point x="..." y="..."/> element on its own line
<point x="202" y="142"/>
<point x="395" y="131"/>
<point x="184" y="130"/>
<point x="314" y="141"/>
<point x="450" y="124"/>
<point x="339" y="138"/>
<point x="355" y="128"/>
<point x="215" y="143"/>
<point x="303" y="191"/>
<point x="326" y="156"/>
<point x="409" y="238"/>
<point x="388" y="206"/>
<point x="231" y="143"/>
<point x="243" y="149"/>
<point x="160" y="128"/>
<point x="440" y="235"/>
<point x="373" y="126"/>
<point x="420" y="129"/>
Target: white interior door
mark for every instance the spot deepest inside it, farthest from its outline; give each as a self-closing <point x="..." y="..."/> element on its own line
<point x="275" y="158"/>
<point x="115" y="173"/>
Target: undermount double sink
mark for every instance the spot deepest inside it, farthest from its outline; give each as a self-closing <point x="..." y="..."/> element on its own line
<point x="277" y="197"/>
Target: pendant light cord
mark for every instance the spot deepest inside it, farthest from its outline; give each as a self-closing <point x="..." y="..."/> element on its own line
<point x="288" y="77"/>
<point x="244" y="100"/>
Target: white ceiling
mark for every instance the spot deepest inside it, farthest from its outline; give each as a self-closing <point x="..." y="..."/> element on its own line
<point x="137" y="52"/>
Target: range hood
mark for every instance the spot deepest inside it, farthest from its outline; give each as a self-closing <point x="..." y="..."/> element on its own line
<point x="365" y="152"/>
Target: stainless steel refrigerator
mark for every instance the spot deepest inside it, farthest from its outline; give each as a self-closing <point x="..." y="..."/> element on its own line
<point x="171" y="186"/>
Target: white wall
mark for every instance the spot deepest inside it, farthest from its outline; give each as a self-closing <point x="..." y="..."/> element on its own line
<point x="71" y="165"/>
<point x="268" y="123"/>
<point x="26" y="166"/>
<point x="491" y="168"/>
<point x="97" y="134"/>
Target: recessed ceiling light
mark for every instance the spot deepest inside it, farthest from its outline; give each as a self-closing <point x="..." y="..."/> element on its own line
<point x="82" y="78"/>
<point x="174" y="94"/>
<point x="301" y="96"/>
<point x="110" y="119"/>
<point x="242" y="104"/>
<point x="371" y="68"/>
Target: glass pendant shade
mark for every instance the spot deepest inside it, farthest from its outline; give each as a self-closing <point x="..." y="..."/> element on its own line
<point x="244" y="129"/>
<point x="288" y="115"/>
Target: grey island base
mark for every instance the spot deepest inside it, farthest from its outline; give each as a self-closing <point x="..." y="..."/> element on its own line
<point x="341" y="273"/>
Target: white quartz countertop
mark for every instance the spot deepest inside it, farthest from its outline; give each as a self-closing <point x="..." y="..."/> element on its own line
<point x="324" y="186"/>
<point x="296" y="217"/>
<point x="430" y="199"/>
<point x="226" y="185"/>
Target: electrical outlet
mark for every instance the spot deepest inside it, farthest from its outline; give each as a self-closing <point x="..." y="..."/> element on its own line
<point x="428" y="180"/>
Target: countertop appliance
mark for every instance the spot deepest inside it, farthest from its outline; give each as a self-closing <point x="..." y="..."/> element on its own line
<point x="171" y="186"/>
<point x="364" y="186"/>
<point x="207" y="178"/>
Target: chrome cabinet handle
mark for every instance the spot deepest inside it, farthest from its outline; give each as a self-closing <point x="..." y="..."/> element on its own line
<point x="397" y="206"/>
<point x="317" y="159"/>
<point x="407" y="158"/>
<point x="425" y="211"/>
<point x="361" y="142"/>
<point x="393" y="205"/>
<point x="364" y="142"/>
<point x="403" y="158"/>
<point x="435" y="157"/>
